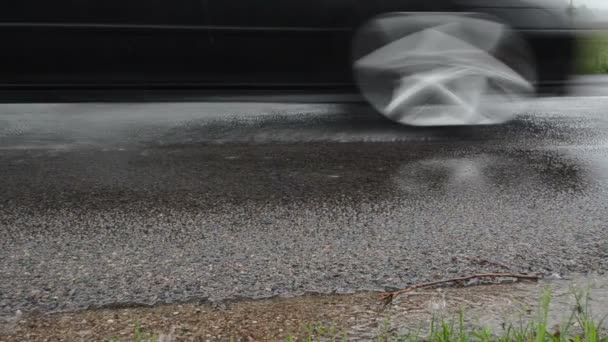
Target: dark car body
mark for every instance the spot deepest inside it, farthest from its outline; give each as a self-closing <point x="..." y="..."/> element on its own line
<point x="229" y="43"/>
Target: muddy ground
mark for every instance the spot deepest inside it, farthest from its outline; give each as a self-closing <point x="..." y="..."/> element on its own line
<point x="358" y="317"/>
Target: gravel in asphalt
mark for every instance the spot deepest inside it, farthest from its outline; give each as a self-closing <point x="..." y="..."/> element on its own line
<point x="107" y="205"/>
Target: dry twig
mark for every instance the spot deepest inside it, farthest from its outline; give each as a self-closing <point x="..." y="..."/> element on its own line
<point x="388" y="297"/>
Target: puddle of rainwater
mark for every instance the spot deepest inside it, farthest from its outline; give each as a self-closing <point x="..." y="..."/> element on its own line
<point x="493" y="306"/>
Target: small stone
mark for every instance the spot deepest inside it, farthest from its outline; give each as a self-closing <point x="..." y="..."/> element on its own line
<point x="176" y="313"/>
<point x="110" y="321"/>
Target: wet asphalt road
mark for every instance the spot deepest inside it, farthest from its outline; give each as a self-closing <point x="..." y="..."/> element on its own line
<point x="121" y="204"/>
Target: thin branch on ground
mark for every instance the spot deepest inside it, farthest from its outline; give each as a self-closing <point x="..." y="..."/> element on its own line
<point x="388" y="297"/>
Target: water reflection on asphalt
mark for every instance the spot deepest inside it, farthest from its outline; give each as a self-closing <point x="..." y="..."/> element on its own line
<point x="222" y="201"/>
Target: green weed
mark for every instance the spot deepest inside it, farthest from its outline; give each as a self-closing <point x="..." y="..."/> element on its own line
<point x="578" y="327"/>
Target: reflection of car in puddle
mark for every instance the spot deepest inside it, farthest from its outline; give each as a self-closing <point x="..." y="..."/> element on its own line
<point x="514" y="173"/>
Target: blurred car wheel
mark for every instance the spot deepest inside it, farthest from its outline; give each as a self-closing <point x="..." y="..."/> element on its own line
<point x="442" y="69"/>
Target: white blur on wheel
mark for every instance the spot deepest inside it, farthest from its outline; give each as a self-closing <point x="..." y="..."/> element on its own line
<point x="441" y="69"/>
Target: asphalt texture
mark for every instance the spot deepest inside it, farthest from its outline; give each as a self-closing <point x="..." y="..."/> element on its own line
<point x="124" y="204"/>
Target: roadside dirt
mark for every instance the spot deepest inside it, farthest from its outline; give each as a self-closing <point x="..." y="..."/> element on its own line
<point x="359" y="317"/>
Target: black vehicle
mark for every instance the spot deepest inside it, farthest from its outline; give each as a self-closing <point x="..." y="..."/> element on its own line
<point x="243" y="43"/>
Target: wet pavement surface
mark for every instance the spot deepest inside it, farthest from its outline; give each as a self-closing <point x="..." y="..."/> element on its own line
<point x="123" y="204"/>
